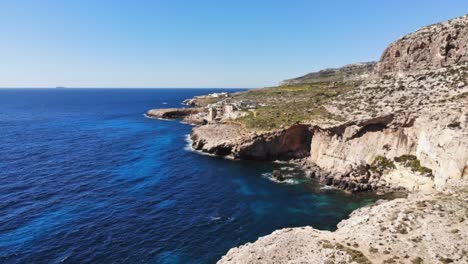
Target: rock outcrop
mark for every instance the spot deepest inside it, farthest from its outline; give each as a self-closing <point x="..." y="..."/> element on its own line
<point x="439" y="140"/>
<point x="284" y="144"/>
<point x="419" y="229"/>
<point x="428" y="48"/>
<point x="188" y="115"/>
<point x="217" y="139"/>
<point x="172" y="113"/>
<point x="234" y="141"/>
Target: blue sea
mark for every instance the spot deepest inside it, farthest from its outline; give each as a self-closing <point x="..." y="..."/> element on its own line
<point x="86" y="178"/>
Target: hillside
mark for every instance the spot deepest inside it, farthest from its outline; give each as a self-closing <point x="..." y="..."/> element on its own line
<point x="351" y="72"/>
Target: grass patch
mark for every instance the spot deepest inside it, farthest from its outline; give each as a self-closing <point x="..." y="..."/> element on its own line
<point x="290" y="104"/>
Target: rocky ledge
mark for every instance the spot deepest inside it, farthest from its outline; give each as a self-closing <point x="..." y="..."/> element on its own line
<point x="188" y="115"/>
<point x="419" y="229"/>
<point x="232" y="140"/>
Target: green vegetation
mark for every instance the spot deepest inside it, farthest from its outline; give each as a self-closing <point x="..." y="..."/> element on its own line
<point x="381" y="164"/>
<point x="414" y="164"/>
<point x="287" y="105"/>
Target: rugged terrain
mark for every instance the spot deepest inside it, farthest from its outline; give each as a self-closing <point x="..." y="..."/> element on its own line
<point x="419" y="229"/>
<point x="353" y="123"/>
<point x="399" y="123"/>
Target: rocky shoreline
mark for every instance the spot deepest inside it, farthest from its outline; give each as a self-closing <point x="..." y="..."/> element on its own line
<point x="422" y="228"/>
<point x="400" y="124"/>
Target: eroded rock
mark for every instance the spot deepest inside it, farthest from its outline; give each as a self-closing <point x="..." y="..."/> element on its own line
<point x="429" y="228"/>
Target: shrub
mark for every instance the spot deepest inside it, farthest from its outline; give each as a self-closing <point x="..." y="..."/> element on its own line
<point x="381" y="164"/>
<point x="412" y="162"/>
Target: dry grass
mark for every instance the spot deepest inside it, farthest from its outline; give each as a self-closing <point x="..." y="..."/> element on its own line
<point x="287" y="105"/>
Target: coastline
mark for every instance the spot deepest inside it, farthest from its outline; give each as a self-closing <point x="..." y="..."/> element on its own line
<point x="384" y="127"/>
<point x="358" y="241"/>
<point x="406" y="230"/>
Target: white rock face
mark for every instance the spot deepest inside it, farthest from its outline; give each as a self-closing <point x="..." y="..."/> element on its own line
<point x="427" y="48"/>
<point x="438" y="139"/>
<point x="411" y="181"/>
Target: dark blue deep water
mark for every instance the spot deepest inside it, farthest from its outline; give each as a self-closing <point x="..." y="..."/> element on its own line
<point x="85" y="177"/>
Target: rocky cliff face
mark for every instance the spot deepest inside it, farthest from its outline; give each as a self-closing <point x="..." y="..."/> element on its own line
<point x="414" y="106"/>
<point x="290" y="143"/>
<point x="438" y="140"/>
<point x="233" y="141"/>
<point x="429" y="48"/>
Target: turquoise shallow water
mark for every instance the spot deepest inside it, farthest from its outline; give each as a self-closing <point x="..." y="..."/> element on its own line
<point x="86" y="178"/>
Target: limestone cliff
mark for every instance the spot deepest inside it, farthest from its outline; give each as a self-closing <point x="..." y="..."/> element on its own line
<point x="233" y="141"/>
<point x="438" y="139"/>
<point x="428" y="48"/>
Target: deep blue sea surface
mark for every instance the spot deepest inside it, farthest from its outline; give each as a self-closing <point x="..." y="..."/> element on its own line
<point x="85" y="177"/>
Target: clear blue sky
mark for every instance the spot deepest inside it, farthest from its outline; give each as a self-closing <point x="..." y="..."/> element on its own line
<point x="203" y="43"/>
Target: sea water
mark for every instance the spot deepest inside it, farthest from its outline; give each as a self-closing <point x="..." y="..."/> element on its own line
<point x="86" y="178"/>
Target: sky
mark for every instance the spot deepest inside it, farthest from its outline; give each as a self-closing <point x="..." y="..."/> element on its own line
<point x="197" y="43"/>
